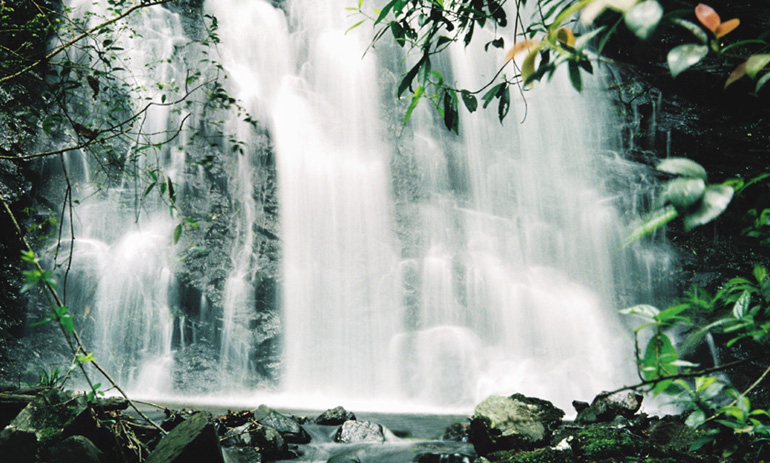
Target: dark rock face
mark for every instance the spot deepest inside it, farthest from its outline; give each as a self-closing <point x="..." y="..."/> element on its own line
<point x="515" y="422"/>
<point x="75" y="449"/>
<point x="606" y="408"/>
<point x="266" y="440"/>
<point x="457" y="432"/>
<point x="359" y="431"/>
<point x="190" y="442"/>
<point x="335" y="417"/>
<point x="288" y="427"/>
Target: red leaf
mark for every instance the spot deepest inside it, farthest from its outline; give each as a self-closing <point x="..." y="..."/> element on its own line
<point x="739" y="72"/>
<point x="707" y="16"/>
<point x="726" y="27"/>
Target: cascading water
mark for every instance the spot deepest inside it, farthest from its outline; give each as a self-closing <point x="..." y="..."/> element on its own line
<point x="416" y="265"/>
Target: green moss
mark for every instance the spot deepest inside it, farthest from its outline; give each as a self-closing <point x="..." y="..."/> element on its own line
<point x="535" y="456"/>
<point x="599" y="443"/>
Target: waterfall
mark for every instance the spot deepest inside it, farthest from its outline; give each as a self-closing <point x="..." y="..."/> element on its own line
<point x="416" y="265"/>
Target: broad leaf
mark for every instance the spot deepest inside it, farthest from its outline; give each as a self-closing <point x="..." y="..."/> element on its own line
<point x="519" y="47"/>
<point x="696" y="30"/>
<point x="685" y="56"/>
<point x="684" y="192"/>
<point x="177" y="233"/>
<point x="574" y="76"/>
<point x="737" y="74"/>
<point x="642" y="310"/>
<point x="470" y="101"/>
<point x="756" y="63"/>
<point x="413" y="103"/>
<point x="644" y="18"/>
<point x="762" y="81"/>
<point x="726" y="27"/>
<point x="659" y="358"/>
<point x="707" y="16"/>
<point x="695" y="419"/>
<point x="682" y="166"/>
<point x="715" y="201"/>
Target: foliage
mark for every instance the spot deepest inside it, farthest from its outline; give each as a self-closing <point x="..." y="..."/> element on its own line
<point x="559" y="35"/>
<point x="739" y="313"/>
<point x="687" y="195"/>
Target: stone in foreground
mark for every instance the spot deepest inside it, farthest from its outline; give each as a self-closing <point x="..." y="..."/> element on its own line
<point x="515" y="422"/>
<point x="192" y="441"/>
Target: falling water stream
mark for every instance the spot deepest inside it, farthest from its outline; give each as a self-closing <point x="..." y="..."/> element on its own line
<point x="417" y="266"/>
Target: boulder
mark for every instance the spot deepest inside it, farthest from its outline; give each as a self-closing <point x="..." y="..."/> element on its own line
<point x="48" y="417"/>
<point x="359" y="431"/>
<point x="606" y="407"/>
<point x="192" y="441"/>
<point x="335" y="417"/>
<point x="75" y="449"/>
<point x="515" y="422"/>
<point x="290" y="429"/>
<point x="265" y="439"/>
<point x="457" y="432"/>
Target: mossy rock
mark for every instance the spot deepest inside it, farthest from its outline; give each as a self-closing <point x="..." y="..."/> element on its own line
<point x="547" y="455"/>
<point x="601" y="443"/>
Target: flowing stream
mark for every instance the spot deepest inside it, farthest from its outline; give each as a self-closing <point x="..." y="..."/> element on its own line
<point x="416" y="266"/>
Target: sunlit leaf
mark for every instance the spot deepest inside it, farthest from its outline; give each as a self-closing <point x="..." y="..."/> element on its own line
<point x="715" y="201"/>
<point x="642" y="310"/>
<point x="756" y="63"/>
<point x="349" y="28"/>
<point x="413" y="103"/>
<point x="644" y="18"/>
<point x="727" y="27"/>
<point x="696" y="30"/>
<point x="682" y="166"/>
<point x="707" y="16"/>
<point x="657" y="219"/>
<point x="695" y="419"/>
<point x="741" y="307"/>
<point x="685" y="56"/>
<point x="659" y="357"/>
<point x="519" y="47"/>
<point x="528" y="66"/>
<point x="684" y="192"/>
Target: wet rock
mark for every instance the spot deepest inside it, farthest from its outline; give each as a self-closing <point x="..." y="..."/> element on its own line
<point x="75" y="449"/>
<point x="45" y="419"/>
<point x="443" y="458"/>
<point x="515" y="422"/>
<point x="335" y="417"/>
<point x="457" y="432"/>
<point x="605" y="408"/>
<point x="546" y="455"/>
<point x="290" y="429"/>
<point x="243" y="455"/>
<point x="192" y="441"/>
<point x="265" y="439"/>
<point x="359" y="431"/>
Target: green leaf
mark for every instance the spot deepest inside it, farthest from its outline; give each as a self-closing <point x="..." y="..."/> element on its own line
<point x="644" y="18"/>
<point x="695" y="419"/>
<point x="762" y="81"/>
<point x="470" y="101"/>
<point x="684" y="192"/>
<point x="451" y="119"/>
<point x="413" y="103"/>
<point x="659" y="358"/>
<point x="715" y="201"/>
<point x="574" y="76"/>
<point x="406" y="82"/>
<point x="352" y="27"/>
<point x="682" y="166"/>
<point x="756" y="63"/>
<point x="685" y="56"/>
<point x="177" y="233"/>
<point x="384" y="12"/>
<point x="654" y="221"/>
<point x="642" y="310"/>
<point x="741" y="307"/>
<point x="490" y="95"/>
<point x="693" y="28"/>
<point x="505" y="103"/>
